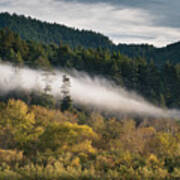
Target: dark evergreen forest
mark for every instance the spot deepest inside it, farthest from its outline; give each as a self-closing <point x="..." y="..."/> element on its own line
<point x="52" y="33"/>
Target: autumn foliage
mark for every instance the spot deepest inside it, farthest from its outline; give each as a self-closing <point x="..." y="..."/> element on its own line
<point x="39" y="143"/>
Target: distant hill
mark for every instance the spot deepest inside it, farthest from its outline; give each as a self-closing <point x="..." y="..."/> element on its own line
<point x="169" y="53"/>
<point x="43" y="32"/>
<point x="32" y="29"/>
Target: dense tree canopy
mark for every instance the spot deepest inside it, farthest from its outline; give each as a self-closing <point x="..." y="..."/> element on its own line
<point x="52" y="33"/>
<point x="32" y="29"/>
<point x="38" y="143"/>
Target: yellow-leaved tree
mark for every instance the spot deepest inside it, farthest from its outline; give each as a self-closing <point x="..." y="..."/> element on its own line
<point x="17" y="125"/>
<point x="67" y="136"/>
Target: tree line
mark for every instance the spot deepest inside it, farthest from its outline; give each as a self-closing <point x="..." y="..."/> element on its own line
<point x="33" y="29"/>
<point x="52" y="33"/>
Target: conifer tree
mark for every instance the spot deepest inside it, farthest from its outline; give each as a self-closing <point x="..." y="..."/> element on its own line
<point x="47" y="98"/>
<point x="66" y="103"/>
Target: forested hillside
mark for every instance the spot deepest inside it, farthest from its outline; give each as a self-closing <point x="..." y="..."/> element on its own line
<point x="43" y="32"/>
<point x="32" y="29"/>
<point x="169" y="53"/>
<point x="159" y="85"/>
<point x="42" y="137"/>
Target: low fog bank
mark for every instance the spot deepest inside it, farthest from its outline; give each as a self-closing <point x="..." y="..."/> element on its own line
<point x="96" y="93"/>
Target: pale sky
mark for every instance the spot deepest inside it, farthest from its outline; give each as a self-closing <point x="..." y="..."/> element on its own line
<point x="155" y="22"/>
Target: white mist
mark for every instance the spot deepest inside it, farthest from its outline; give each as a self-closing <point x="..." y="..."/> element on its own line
<point x="94" y="93"/>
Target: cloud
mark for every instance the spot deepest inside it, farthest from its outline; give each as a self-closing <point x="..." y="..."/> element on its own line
<point x="124" y="21"/>
<point x="166" y="11"/>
